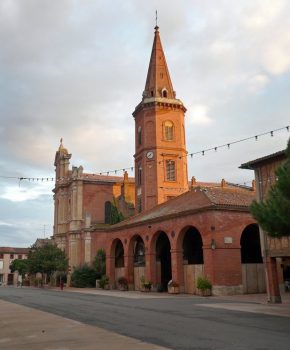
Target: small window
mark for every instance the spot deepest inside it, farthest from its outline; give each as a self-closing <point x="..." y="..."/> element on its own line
<point x="164" y="93"/>
<point x="152" y="93"/>
<point x="168" y="130"/>
<point x="139" y="204"/>
<point x="139" y="175"/>
<point x="1" y="256"/>
<point x="11" y="256"/>
<point x="170" y="170"/>
<point x="19" y="257"/>
<point x="139" y="136"/>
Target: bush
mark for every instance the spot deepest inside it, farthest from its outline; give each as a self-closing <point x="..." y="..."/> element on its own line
<point x="84" y="276"/>
<point x="203" y="283"/>
<point x="104" y="281"/>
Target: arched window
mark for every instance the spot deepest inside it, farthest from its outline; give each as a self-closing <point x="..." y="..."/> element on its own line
<point x="139" y="135"/>
<point x="119" y="254"/>
<point x="168" y="130"/>
<point x="164" y="92"/>
<point x="108" y="209"/>
<point x="139" y="252"/>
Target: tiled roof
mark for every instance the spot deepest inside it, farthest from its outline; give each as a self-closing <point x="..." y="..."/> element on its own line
<point x="12" y="250"/>
<point x="198" y="199"/>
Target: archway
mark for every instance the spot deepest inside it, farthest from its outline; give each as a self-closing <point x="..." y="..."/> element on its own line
<point x="119" y="260"/>
<point x="163" y="260"/>
<point x="192" y="247"/>
<point x="250" y="245"/>
<point x="253" y="272"/>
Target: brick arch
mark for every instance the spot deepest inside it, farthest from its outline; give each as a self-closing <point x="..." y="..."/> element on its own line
<point x="153" y="272"/>
<point x="179" y="251"/>
<point x="110" y="259"/>
<point x="130" y="257"/>
<point x="251" y="245"/>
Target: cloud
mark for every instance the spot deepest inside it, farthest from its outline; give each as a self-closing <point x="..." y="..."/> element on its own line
<point x="198" y="114"/>
<point x="65" y="74"/>
<point x="258" y="82"/>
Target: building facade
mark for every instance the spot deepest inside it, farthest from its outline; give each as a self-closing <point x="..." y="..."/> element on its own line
<point x="275" y="251"/>
<point x="7" y="255"/>
<point x="180" y="229"/>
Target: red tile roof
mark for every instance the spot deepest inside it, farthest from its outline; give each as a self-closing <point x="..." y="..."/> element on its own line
<point x="198" y="199"/>
<point x="12" y="250"/>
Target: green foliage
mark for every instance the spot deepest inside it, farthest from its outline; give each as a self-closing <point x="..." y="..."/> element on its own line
<point x="46" y="259"/>
<point x="273" y="214"/>
<point x="104" y="281"/>
<point x="203" y="283"/>
<point x="20" y="265"/>
<point x="99" y="263"/>
<point x="115" y="215"/>
<point x="84" y="276"/>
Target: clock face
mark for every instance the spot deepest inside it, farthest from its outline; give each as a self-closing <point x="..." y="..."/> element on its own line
<point x="150" y="155"/>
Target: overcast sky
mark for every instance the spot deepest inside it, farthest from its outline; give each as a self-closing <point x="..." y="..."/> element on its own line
<point x="76" y="69"/>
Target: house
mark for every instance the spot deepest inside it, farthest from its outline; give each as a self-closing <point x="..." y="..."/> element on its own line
<point x="7" y="255"/>
<point x="275" y="251"/>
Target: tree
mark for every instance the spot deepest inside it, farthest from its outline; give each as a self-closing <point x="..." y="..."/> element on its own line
<point x="273" y="214"/>
<point x="20" y="265"/>
<point x="99" y="263"/>
<point x="47" y="259"/>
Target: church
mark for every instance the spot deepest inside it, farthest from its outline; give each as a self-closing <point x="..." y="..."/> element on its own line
<point x="159" y="226"/>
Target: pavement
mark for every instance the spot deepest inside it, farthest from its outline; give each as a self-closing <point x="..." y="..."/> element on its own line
<point x="23" y="328"/>
<point x="30" y="329"/>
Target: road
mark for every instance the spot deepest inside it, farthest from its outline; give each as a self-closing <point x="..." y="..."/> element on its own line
<point x="180" y="322"/>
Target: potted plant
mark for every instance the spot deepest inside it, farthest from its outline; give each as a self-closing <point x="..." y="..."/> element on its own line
<point x="204" y="286"/>
<point x="104" y="282"/>
<point x="122" y="283"/>
<point x="173" y="287"/>
<point x="145" y="285"/>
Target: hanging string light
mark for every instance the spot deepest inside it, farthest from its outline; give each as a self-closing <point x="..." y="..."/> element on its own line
<point x="116" y="171"/>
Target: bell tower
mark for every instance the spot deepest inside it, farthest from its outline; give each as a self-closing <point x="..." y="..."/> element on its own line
<point x="160" y="153"/>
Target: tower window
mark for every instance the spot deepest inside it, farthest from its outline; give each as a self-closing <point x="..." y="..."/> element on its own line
<point x="164" y="93"/>
<point x="139" y="204"/>
<point x="168" y="130"/>
<point x="139" y="135"/>
<point x="152" y="93"/>
<point x="139" y="178"/>
<point x="170" y="170"/>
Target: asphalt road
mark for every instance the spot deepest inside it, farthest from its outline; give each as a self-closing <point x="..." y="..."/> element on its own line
<point x="176" y="323"/>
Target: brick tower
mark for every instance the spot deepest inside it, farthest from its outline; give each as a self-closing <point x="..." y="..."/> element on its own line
<point x="160" y="154"/>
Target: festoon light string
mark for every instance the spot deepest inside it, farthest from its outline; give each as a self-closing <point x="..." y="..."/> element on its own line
<point x="116" y="171"/>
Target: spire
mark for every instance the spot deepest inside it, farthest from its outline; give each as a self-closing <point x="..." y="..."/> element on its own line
<point x="158" y="82"/>
<point x="61" y="148"/>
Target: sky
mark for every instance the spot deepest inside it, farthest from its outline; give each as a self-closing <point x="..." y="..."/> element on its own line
<point x="76" y="69"/>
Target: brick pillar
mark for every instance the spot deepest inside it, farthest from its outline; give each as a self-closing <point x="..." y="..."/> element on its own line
<point x="208" y="261"/>
<point x="177" y="267"/>
<point x="129" y="271"/>
<point x="273" y="282"/>
<point x="150" y="268"/>
<point x="110" y="270"/>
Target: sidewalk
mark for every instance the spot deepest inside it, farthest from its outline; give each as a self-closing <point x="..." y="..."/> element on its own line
<point x="23" y="328"/>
